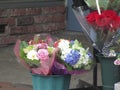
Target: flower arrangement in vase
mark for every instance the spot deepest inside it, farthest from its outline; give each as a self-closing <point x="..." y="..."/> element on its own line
<point x="50" y="60"/>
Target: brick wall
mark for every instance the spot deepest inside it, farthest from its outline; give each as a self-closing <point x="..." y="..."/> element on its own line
<point x="23" y="23"/>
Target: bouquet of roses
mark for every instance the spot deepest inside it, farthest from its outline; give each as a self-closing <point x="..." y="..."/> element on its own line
<point x="49" y="57"/>
<point x="101" y="23"/>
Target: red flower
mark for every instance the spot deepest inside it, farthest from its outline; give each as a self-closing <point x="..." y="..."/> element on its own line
<point x="91" y="18"/>
<point x="110" y="14"/>
<point x="56" y="43"/>
<point x="108" y="19"/>
<point x="102" y="21"/>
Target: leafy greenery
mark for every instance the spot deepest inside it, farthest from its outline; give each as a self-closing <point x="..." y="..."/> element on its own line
<point x="34" y="63"/>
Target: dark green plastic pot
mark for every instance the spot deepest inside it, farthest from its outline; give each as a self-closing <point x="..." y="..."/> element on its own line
<point x="110" y="73"/>
<point x="51" y="82"/>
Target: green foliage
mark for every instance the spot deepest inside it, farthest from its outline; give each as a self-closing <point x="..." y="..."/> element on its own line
<point x="32" y="63"/>
<point x="50" y="50"/>
<point x="23" y="45"/>
<point x="104" y="4"/>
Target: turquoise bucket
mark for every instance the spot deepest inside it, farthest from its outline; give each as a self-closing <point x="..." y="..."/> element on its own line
<point x="51" y="82"/>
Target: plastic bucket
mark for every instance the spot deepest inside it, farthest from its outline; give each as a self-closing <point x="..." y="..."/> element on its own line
<point x="51" y="82"/>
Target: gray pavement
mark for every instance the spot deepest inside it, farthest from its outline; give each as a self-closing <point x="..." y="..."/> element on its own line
<point x="12" y="71"/>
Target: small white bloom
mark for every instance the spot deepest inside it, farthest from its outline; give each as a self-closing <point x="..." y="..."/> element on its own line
<point x="64" y="53"/>
<point x="32" y="55"/>
<point x="63" y="44"/>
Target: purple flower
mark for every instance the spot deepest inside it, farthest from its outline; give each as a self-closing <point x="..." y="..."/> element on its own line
<point x="72" y="57"/>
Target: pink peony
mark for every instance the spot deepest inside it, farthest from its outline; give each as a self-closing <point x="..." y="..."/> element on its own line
<point x="43" y="54"/>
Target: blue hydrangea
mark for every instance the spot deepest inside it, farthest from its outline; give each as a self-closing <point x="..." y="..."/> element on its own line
<point x="72" y="57"/>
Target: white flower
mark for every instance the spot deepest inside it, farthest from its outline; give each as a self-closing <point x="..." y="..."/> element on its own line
<point x="84" y="60"/>
<point x="32" y="55"/>
<point x="64" y="53"/>
<point x="63" y="44"/>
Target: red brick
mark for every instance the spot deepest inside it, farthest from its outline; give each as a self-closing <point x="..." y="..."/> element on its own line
<point x="7" y="20"/>
<point x="24" y="11"/>
<point x="3" y="20"/>
<point x="21" y="25"/>
<point x="33" y="11"/>
<point x="17" y="12"/>
<point x="53" y="9"/>
<point x="60" y="9"/>
<point x="26" y="20"/>
<point x="4" y="12"/>
<point x="35" y="29"/>
<point x="49" y="18"/>
<point x="18" y="30"/>
<point x="11" y="21"/>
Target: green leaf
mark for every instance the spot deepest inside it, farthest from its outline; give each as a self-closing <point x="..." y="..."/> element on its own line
<point x="50" y="50"/>
<point x="23" y="45"/>
<point x="102" y="3"/>
<point x="32" y="63"/>
<point x="114" y="5"/>
<point x="69" y="67"/>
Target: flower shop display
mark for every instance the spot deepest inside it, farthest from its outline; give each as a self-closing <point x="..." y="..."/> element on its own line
<point x="101" y="25"/>
<point x="50" y="60"/>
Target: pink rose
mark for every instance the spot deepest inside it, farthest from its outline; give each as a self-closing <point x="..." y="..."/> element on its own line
<point x="117" y="62"/>
<point x="43" y="54"/>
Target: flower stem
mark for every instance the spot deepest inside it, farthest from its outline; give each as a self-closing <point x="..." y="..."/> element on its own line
<point x="98" y="7"/>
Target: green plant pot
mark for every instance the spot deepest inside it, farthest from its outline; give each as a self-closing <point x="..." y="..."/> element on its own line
<point x="110" y="73"/>
<point x="51" y="82"/>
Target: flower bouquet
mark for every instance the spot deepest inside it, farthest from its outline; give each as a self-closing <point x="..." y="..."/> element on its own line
<point x="53" y="57"/>
<point x="37" y="55"/>
<point x="72" y="57"/>
<point x="101" y="23"/>
<point x="50" y="60"/>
